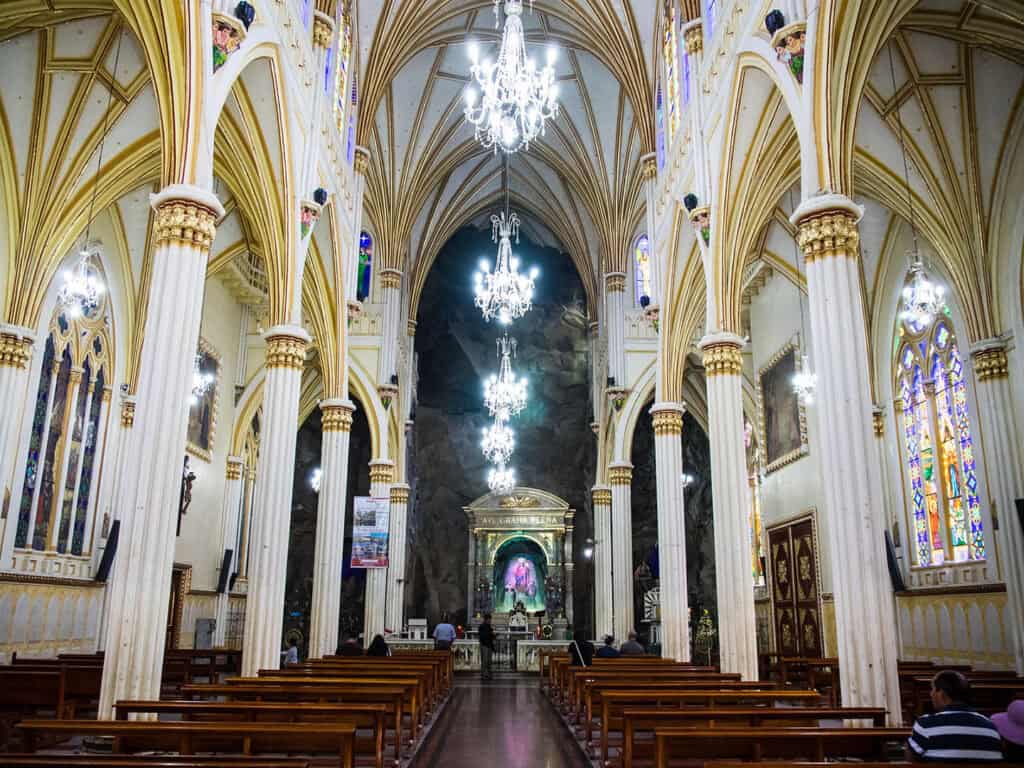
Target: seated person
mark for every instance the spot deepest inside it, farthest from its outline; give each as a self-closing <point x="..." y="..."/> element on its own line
<point x="1010" y="725"/>
<point x="631" y="647"/>
<point x="608" y="650"/>
<point x="954" y="732"/>
<point x="378" y="647"/>
<point x="581" y="650"/>
<point x="444" y="634"/>
<point x="350" y="648"/>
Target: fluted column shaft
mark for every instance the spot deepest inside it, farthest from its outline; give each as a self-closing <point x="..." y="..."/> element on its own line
<point x="381" y="474"/>
<point x="15" y="354"/>
<point x="601" y="496"/>
<point x="395" y="604"/>
<point x="864" y="603"/>
<point x="668" y="462"/>
<point x="1005" y="480"/>
<point x="730" y="499"/>
<point x="230" y="513"/>
<point x="649" y="171"/>
<point x="615" y="298"/>
<point x="620" y="476"/>
<point x="268" y="545"/>
<point x="328" y="559"/>
<point x="136" y="616"/>
<point x="391" y="297"/>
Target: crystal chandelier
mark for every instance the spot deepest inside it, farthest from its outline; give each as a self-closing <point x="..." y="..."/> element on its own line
<point x="501" y="479"/>
<point x="504" y="293"/>
<point x="515" y="98"/>
<point x="805" y="381"/>
<point x="923" y="299"/>
<point x="498" y="442"/>
<point x="314" y="480"/>
<point x="201" y="381"/>
<point x="505" y="393"/>
<point x="82" y="289"/>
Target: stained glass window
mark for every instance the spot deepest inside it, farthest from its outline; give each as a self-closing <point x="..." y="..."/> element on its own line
<point x="364" y="281"/>
<point x="341" y="73"/>
<point x="670" y="51"/>
<point x="351" y="141"/>
<point x="686" y="78"/>
<point x="659" y="115"/>
<point x="642" y="268"/>
<point x="938" y="446"/>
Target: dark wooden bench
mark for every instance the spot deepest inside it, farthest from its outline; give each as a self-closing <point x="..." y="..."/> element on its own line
<point x="596" y="689"/>
<point x="146" y="761"/>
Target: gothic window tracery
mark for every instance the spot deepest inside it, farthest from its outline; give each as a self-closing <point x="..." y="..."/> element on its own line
<point x="938" y="445"/>
<point x="670" y="53"/>
<point x="642" y="268"/>
<point x="659" y="116"/>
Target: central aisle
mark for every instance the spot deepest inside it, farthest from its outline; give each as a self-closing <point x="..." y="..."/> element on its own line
<point x="506" y="723"/>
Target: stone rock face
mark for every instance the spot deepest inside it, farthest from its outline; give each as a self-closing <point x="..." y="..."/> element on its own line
<point x="555" y="449"/>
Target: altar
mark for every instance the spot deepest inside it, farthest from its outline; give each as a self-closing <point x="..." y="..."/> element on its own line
<point x="519" y="564"/>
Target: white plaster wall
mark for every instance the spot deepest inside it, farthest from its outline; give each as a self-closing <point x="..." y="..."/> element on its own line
<point x="795" y="488"/>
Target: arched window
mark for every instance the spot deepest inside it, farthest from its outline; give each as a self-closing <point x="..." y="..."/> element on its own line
<point x="58" y="499"/>
<point x="670" y="52"/>
<point x="642" y="268"/>
<point x="341" y="73"/>
<point x="941" y="476"/>
<point x="351" y="151"/>
<point x="365" y="279"/>
<point x="659" y="116"/>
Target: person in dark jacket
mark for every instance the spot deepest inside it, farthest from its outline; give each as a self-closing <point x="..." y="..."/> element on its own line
<point x="378" y="647"/>
<point x="486" y="636"/>
<point x="581" y="650"/>
<point x="608" y="650"/>
<point x="350" y="648"/>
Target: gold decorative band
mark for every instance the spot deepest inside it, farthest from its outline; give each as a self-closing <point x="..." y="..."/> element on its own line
<point x="620" y="475"/>
<point x="827" y="234"/>
<point x="650" y="167"/>
<point x="410" y="327"/>
<point x="991" y="363"/>
<point x="723" y="359"/>
<point x="323" y="32"/>
<point x="693" y="39"/>
<point x="399" y="494"/>
<point x="390" y="278"/>
<point x="878" y="423"/>
<point x="667" y="422"/>
<point x="286" y="351"/>
<point x="381" y="473"/>
<point x="15" y="351"/>
<point x="336" y="418"/>
<point x="185" y="222"/>
<point x="108" y="392"/>
<point x="615" y="281"/>
<point x="602" y="497"/>
<point x="234" y="470"/>
<point x="128" y="414"/>
<point x="362" y="160"/>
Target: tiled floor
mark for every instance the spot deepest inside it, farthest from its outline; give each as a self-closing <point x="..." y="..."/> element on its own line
<point x="505" y="723"/>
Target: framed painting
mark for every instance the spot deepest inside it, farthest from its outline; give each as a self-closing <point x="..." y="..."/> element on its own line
<point x="782" y="416"/>
<point x="202" y="413"/>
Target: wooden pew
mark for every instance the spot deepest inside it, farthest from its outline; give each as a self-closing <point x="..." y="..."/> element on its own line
<point x="816" y="744"/>
<point x="186" y="738"/>
<point x="146" y="761"/>
<point x="634" y="720"/>
<point x="441" y="667"/>
<point x="990" y="692"/>
<point x="805" y="672"/>
<point x="428" y="673"/>
<point x="373" y="716"/>
<point x="393" y="696"/>
<point x="560" y="663"/>
<point x="594" y="689"/>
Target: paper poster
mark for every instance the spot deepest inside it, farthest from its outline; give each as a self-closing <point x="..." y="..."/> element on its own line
<point x="370" y="532"/>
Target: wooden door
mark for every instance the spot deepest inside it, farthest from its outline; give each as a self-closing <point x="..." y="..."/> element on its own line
<point x="796" y="607"/>
<point x="174" y="609"/>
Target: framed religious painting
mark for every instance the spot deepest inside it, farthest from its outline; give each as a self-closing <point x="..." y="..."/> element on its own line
<point x="202" y="412"/>
<point x="783" y="418"/>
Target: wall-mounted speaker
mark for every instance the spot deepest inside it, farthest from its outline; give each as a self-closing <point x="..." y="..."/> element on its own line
<point x="107" y="561"/>
<point x="895" y="574"/>
<point x="225" y="571"/>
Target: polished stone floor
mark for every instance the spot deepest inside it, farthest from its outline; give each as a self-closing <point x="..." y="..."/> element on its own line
<point x="505" y="723"/>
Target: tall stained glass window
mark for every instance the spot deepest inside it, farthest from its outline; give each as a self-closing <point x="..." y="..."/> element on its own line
<point x="351" y="140"/>
<point x="670" y="52"/>
<point x="941" y="475"/>
<point x="659" y="117"/>
<point x="341" y="72"/>
<point x="642" y="267"/>
<point x="365" y="279"/>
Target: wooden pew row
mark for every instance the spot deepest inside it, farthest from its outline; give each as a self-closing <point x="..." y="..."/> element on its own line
<point x="336" y="738"/>
<point x="441" y="665"/>
<point x="364" y="715"/>
<point x="145" y="761"/>
<point x="635" y="721"/>
<point x="394" y="696"/>
<point x="614" y="703"/>
<point x="563" y="691"/>
<point x="560" y="662"/>
<point x="991" y="692"/>
<point x="427" y="672"/>
<point x="816" y="744"/>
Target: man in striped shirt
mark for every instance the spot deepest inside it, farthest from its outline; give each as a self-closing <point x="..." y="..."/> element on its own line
<point x="955" y="732"/>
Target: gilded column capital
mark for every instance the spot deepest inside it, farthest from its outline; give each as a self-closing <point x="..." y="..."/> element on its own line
<point x="362" y="160"/>
<point x="391" y="278"/>
<point x="185" y="215"/>
<point x="990" y="360"/>
<point x="323" y="30"/>
<point x="400" y="493"/>
<point x="878" y="421"/>
<point x="233" y="470"/>
<point x="108" y="392"/>
<point x="601" y="496"/>
<point x="667" y="419"/>
<point x="15" y="348"/>
<point x="827" y="227"/>
<point x="128" y="412"/>
<point x="381" y="471"/>
<point x="75" y="377"/>
<point x="620" y="473"/>
<point x="410" y="327"/>
<point x="693" y="36"/>
<point x="723" y="355"/>
<point x="615" y="281"/>
<point x="595" y="329"/>
<point x="336" y="415"/>
<point x="286" y="347"/>
<point x="649" y="166"/>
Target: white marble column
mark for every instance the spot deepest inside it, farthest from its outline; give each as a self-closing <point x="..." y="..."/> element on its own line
<point x="268" y="546"/>
<point x="620" y="476"/>
<point x="864" y="604"/>
<point x="395" y="603"/>
<point x="730" y="499"/>
<point x="615" y="300"/>
<point x="15" y="354"/>
<point x="230" y="517"/>
<point x="601" y="497"/>
<point x="137" y="597"/>
<point x="668" y="462"/>
<point x="1005" y="478"/>
<point x="391" y="298"/>
<point x="329" y="550"/>
<point x="374" y="602"/>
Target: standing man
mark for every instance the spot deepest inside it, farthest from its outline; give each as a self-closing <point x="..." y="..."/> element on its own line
<point x="444" y="634"/>
<point x="486" y="635"/>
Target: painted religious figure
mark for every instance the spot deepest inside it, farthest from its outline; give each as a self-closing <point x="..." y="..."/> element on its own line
<point x="783" y="433"/>
<point x="522" y="586"/>
<point x="365" y="267"/>
<point x="202" y="410"/>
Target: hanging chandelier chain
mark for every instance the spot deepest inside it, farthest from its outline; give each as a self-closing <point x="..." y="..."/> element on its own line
<point x="903" y="152"/>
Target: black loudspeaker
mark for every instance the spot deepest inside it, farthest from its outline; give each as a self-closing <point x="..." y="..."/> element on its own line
<point x="225" y="571"/>
<point x="895" y="575"/>
<point x="1020" y="512"/>
<point x="108" y="554"/>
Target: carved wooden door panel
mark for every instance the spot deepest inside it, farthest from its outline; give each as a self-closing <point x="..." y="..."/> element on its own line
<point x="795" y="599"/>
